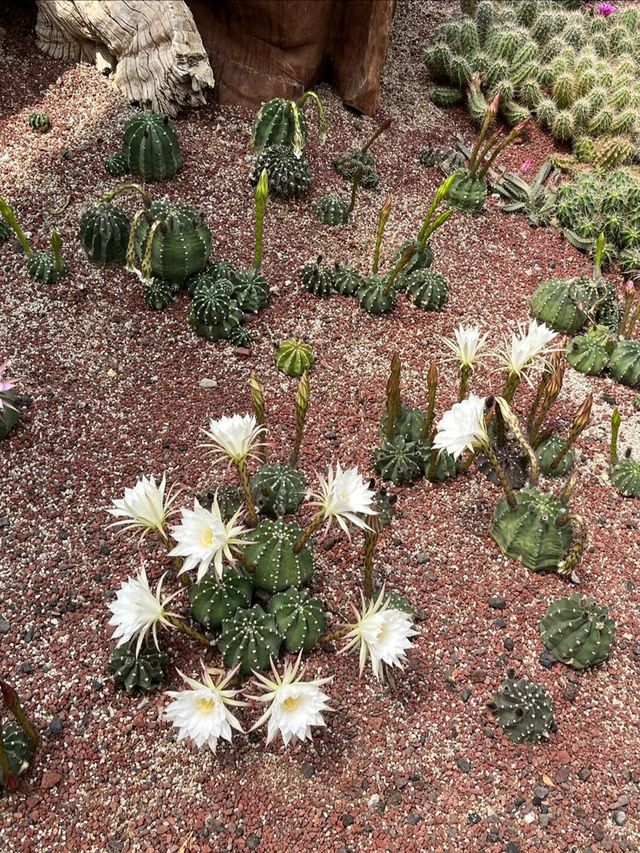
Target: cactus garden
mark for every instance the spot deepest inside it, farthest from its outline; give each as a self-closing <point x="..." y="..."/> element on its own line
<point x="320" y="431"/>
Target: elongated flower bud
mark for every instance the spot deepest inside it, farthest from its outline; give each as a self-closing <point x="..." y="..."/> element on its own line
<point x="383" y="216"/>
<point x="56" y="248"/>
<point x="261" y="196"/>
<point x="302" y="405"/>
<point x="432" y="390"/>
<point x="257" y="399"/>
<point x="393" y="395"/>
<point x="615" y="429"/>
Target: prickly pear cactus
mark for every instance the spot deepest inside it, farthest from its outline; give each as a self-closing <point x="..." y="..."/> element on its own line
<point x="523" y="709"/>
<point x="104" y="234"/>
<point x="42" y="267"/>
<point x="116" y="165"/>
<point x="317" y="278"/>
<point x="625" y="476"/>
<point x="586" y="354"/>
<point x="212" y="600"/>
<point x="139" y="672"/>
<point x="299" y="618"/>
<point x="578" y="632"/>
<point x="278" y="489"/>
<point x="277" y="566"/>
<point x="427" y="289"/>
<point x="39" y="122"/>
<point x="399" y="460"/>
<point x="250" y="290"/>
<point x="289" y="176"/>
<point x="294" y="357"/>
<point x="151" y="147"/>
<point x="546" y="454"/>
<point x="625" y="363"/>
<point x="348" y="163"/>
<point x="332" y="210"/>
<point x="181" y="240"/>
<point x="372" y="297"/>
<point x="347" y="280"/>
<point x="17" y="747"/>
<point x="250" y="639"/>
<point x="560" y="302"/>
<point x="468" y="192"/>
<point x="529" y="532"/>
<point x="158" y="293"/>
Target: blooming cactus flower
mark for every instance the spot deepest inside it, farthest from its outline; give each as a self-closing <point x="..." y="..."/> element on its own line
<point x="344" y="496"/>
<point x="467" y="345"/>
<point x="527" y="345"/>
<point x="463" y="427"/>
<point x="605" y="9"/>
<point x="145" y="506"/>
<point x="6" y="385"/>
<point x="236" y="438"/>
<point x="137" y="610"/>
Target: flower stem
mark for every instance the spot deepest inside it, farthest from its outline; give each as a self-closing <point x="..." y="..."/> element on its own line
<point x="510" y="387"/>
<point x="139" y="188"/>
<point x="336" y="634"/>
<point x="6" y="212"/>
<point x="357" y="178"/>
<point x="370" y="541"/>
<point x="386" y="124"/>
<point x="615" y="429"/>
<point x="465" y="373"/>
<point x="244" y="562"/>
<point x="252" y="515"/>
<point x="261" y="196"/>
<point x="502" y="477"/>
<point x="181" y="625"/>
<point x="385" y="210"/>
<point x="308" y="532"/>
<point x="394" y="405"/>
<point x="432" y="390"/>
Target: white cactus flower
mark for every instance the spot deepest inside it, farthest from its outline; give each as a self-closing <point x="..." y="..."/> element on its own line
<point x="344" y="496"/>
<point x="527" y="345"/>
<point x="463" y="427"/>
<point x="236" y="438"/>
<point x="147" y="506"/>
<point x="137" y="610"/>
<point x="467" y="345"/>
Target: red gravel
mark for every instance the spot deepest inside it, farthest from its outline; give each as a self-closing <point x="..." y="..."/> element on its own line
<point x="115" y="391"/>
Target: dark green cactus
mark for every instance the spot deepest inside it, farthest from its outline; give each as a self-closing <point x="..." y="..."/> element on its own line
<point x="239" y="337"/>
<point x="434" y="155"/>
<point x="468" y="192"/>
<point x="215" y="270"/>
<point x="289" y="176"/>
<point x="332" y="210"/>
<point x="17" y="748"/>
<point x="48" y="267"/>
<point x="250" y="290"/>
<point x="213" y="313"/>
<point x="427" y="289"/>
<point x="523" y="709"/>
<point x="104" y="234"/>
<point x="445" y="96"/>
<point x="230" y="499"/>
<point x="171" y="240"/>
<point x="625" y="363"/>
<point x="294" y="357"/>
<point x="587" y="354"/>
<point x="116" y="165"/>
<point x="408" y="422"/>
<point x="420" y="260"/>
<point x="5" y="230"/>
<point x="282" y="122"/>
<point x="249" y="639"/>
<point x="212" y="600"/>
<point x="625" y="476"/>
<point x="299" y="618"/>
<point x="577" y="632"/>
<point x="151" y="147"/>
<point x="373" y="296"/>
<point x="137" y="672"/>
<point x="546" y="454"/>
<point x="317" y="278"/>
<point x="278" y="489"/>
<point x="350" y="162"/>
<point x="562" y="303"/>
<point x="437" y="466"/>
<point x="277" y="565"/>
<point x="39" y="122"/>
<point x="158" y="293"/>
<point x="347" y="280"/>
<point x="399" y="460"/>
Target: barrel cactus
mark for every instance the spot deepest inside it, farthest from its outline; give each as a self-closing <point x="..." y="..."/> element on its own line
<point x="523" y="709"/>
<point x="214" y="314"/>
<point x="438" y="466"/>
<point x="408" y="422"/>
<point x="399" y="460"/>
<point x="104" y="234"/>
<point x="250" y="290"/>
<point x="625" y="363"/>
<point x="230" y="499"/>
<point x="561" y="304"/>
<point x="577" y="631"/>
<point x="278" y="489"/>
<point x="18" y="749"/>
<point x="212" y="600"/>
<point x="171" y="240"/>
<point x="289" y="176"/>
<point x="249" y="639"/>
<point x="347" y="280"/>
<point x="158" y="293"/>
<point x="116" y="165"/>
<point x="427" y="289"/>
<point x="468" y="192"/>
<point x="373" y="296"/>
<point x="282" y="122"/>
<point x="587" y="354"/>
<point x="546" y="454"/>
<point x="151" y="147"/>
<point x="39" y="122"/>
<point x="420" y="260"/>
<point x="332" y="210"/>
<point x="48" y="267"/>
<point x="299" y="618"/>
<point x="277" y="565"/>
<point x="348" y="164"/>
<point x="625" y="476"/>
<point x="317" y="278"/>
<point x="137" y="672"/>
<point x="294" y="357"/>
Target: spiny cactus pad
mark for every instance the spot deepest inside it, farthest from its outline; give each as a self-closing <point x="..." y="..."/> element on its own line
<point x="278" y="489"/>
<point x="139" y="672"/>
<point x="289" y="176"/>
<point x="151" y="147"/>
<point x="212" y="600"/>
<point x="577" y="631"/>
<point x="104" y="234"/>
<point x="523" y="709"/>
<point x="294" y="357"/>
<point x="250" y="639"/>
<point x="17" y="747"/>
<point x="277" y="566"/>
<point x="299" y="618"/>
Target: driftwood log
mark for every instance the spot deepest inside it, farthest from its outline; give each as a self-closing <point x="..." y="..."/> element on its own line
<point x="159" y="50"/>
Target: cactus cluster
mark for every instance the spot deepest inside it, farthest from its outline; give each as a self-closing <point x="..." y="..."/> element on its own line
<point x="523" y="709"/>
<point x="360" y="160"/>
<point x="577" y="631"/>
<point x="282" y="122"/>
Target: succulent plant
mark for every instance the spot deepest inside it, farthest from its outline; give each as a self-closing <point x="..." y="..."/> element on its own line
<point x="158" y="293"/>
<point x="399" y="460"/>
<point x="624" y="473"/>
<point x="230" y="499"/>
<point x="137" y="672"/>
<point x="116" y="165"/>
<point x="587" y="354"/>
<point x="317" y="278"/>
<point x="435" y="155"/>
<point x="427" y="289"/>
<point x="523" y="709"/>
<point x="445" y="96"/>
<point x="278" y="489"/>
<point x="282" y="122"/>
<point x="151" y="147"/>
<point x="437" y="466"/>
<point x="249" y="639"/>
<point x="9" y="415"/>
<point x="277" y="565"/>
<point x="214" y="314"/>
<point x="104" y="234"/>
<point x="374" y="296"/>
<point x="299" y="618"/>
<point x="289" y="176"/>
<point x="18" y="749"/>
<point x="577" y="631"/>
<point x="250" y="290"/>
<point x="625" y="363"/>
<point x="347" y="280"/>
<point x="39" y="122"/>
<point x="563" y="303"/>
<point x="332" y="210"/>
<point x="547" y="453"/>
<point x="407" y="422"/>
<point x="535" y="200"/>
<point x="294" y="357"/>
<point x="48" y="267"/>
<point x="240" y="337"/>
<point x="469" y="192"/>
<point x="212" y="600"/>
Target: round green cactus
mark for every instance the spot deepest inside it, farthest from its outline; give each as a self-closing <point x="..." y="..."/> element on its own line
<point x="42" y="267"/>
<point x="332" y="210"/>
<point x="39" y="122"/>
<point x="250" y="290"/>
<point x="277" y="565"/>
<point x="212" y="600"/>
<point x="278" y="123"/>
<point x="523" y="709"/>
<point x="577" y="632"/>
<point x="559" y="303"/>
<point x="347" y="280"/>
<point x="372" y="296"/>
<point x="437" y="466"/>
<point x="399" y="460"/>
<point x="230" y="499"/>
<point x="294" y="357"/>
<point x="181" y="240"/>
<point x="239" y="337"/>
<point x="468" y="192"/>
<point x="427" y="289"/>
<point x="289" y="176"/>
<point x="137" y="672"/>
<point x="213" y="313"/>
<point x="348" y="163"/>
<point x="434" y="155"/>
<point x="546" y="454"/>
<point x="625" y="476"/>
<point x="151" y="147"/>
<point x="529" y="532"/>
<point x="420" y="260"/>
<point x="17" y="747"/>
<point x="586" y="354"/>
<point x="318" y="279"/>
<point x="299" y="618"/>
<point x="409" y="423"/>
<point x="158" y="293"/>
<point x="625" y="363"/>
<point x="214" y="271"/>
<point x="249" y="639"/>
<point x="116" y="165"/>
<point x="278" y="489"/>
<point x="104" y="234"/>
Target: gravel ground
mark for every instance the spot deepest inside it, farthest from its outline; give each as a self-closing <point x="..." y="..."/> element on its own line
<point x="113" y="390"/>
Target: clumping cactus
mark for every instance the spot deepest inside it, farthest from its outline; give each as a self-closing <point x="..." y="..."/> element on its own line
<point x="249" y="639"/>
<point x="547" y="453"/>
<point x="299" y="618"/>
<point x="625" y="363"/>
<point x="360" y="160"/>
<point x="289" y="176"/>
<point x="332" y="210"/>
<point x="277" y="564"/>
<point x="212" y="600"/>
<point x="577" y="631"/>
<point x="137" y="672"/>
<point x="294" y="357"/>
<point x="214" y="314"/>
<point x="399" y="460"/>
<point x="445" y="96"/>
<point x="427" y="289"/>
<point x="282" y="122"/>
<point x="347" y="280"/>
<point x="158" y="293"/>
<point x="278" y="489"/>
<point x="39" y="122"/>
<point x="18" y="749"/>
<point x="48" y="267"/>
<point x="523" y="709"/>
<point x="624" y="473"/>
<point x="250" y="290"/>
<point x="151" y="147"/>
<point x="116" y="165"/>
<point x="318" y="279"/>
<point x="104" y="234"/>
<point x="587" y="354"/>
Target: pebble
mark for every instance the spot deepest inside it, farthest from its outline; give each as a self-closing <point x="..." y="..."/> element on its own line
<point x="413" y="818"/>
<point x="253" y="841"/>
<point x="307" y="770"/>
<point x="4" y="625"/>
<point x="464" y="765"/>
<point x="50" y="779"/>
<point x="347" y="820"/>
<point x="208" y="383"/>
<point x="55" y="726"/>
<point x="497" y="602"/>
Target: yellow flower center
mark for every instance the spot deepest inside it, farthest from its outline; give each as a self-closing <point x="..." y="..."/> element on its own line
<point x="206" y="706"/>
<point x="291" y="703"/>
<point x="206" y="539"/>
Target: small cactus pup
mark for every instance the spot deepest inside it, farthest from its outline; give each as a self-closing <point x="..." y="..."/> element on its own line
<point x="212" y="600"/>
<point x="151" y="147"/>
<point x="282" y="122"/>
<point x="289" y="176"/>
<point x="555" y="456"/>
<point x="299" y="618"/>
<point x="39" y="122"/>
<point x="624" y="473"/>
<point x="355" y="159"/>
<point x="331" y="210"/>
<point x="577" y="631"/>
<point x="588" y="353"/>
<point x="18" y="740"/>
<point x="133" y="672"/>
<point x="278" y="489"/>
<point x="277" y="566"/>
<point x="249" y="639"/>
<point x="104" y="232"/>
<point x="317" y="278"/>
<point x="158" y="293"/>
<point x="47" y="267"/>
<point x="116" y="165"/>
<point x="294" y="357"/>
<point x="250" y="287"/>
<point x="523" y="709"/>
<point x="9" y="415"/>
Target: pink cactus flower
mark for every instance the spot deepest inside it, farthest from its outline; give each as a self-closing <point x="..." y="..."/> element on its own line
<point x="605" y="9"/>
<point x="5" y="386"/>
<point x="525" y="167"/>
